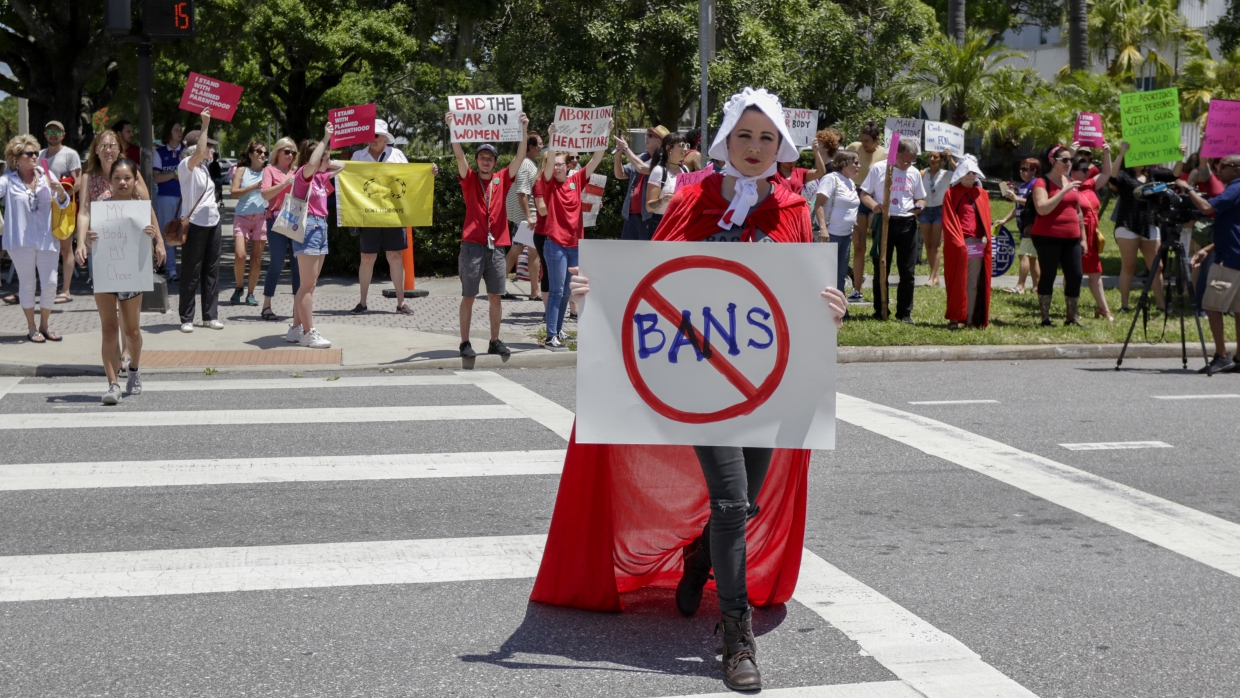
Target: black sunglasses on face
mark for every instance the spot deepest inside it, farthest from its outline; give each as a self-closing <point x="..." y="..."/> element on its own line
<point x="31" y="153"/>
<point x="1064" y="159"/>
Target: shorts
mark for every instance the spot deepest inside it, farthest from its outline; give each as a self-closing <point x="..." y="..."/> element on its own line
<point x="252" y="227"/>
<point x="476" y="263"/>
<point x="1222" y="290"/>
<point x="522" y="234"/>
<point x="1122" y="233"/>
<point x="864" y="210"/>
<point x="1026" y="248"/>
<point x="390" y="239"/>
<point x="315" y="242"/>
<point x="931" y="215"/>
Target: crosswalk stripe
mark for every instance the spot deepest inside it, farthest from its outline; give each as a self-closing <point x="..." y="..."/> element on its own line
<point x="956" y="402"/>
<point x="875" y="689"/>
<point x="7" y="385"/>
<point x="153" y="384"/>
<point x="1207" y="539"/>
<point x="1220" y="396"/>
<point x="220" y="471"/>
<point x="1115" y="445"/>
<point x="550" y="414"/>
<point x="309" y="415"/>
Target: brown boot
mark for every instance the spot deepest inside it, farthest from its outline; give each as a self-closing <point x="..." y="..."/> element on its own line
<point x="696" y="572"/>
<point x="740" y="651"/>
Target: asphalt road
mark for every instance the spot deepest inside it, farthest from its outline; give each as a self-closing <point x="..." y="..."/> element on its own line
<point x="1059" y="599"/>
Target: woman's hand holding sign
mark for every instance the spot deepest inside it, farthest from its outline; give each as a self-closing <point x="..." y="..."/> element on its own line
<point x="838" y="304"/>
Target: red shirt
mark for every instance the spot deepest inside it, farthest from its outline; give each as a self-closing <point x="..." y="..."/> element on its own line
<point x="133" y="152"/>
<point x="540" y="226"/>
<point x="1063" y="221"/>
<point x="478" y="213"/>
<point x="639" y="193"/>
<point x="1090" y="204"/>
<point x="968" y="217"/>
<point x="564" y="224"/>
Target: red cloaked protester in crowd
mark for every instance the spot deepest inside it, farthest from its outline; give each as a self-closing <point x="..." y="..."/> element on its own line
<point x="967" y="247"/>
<point x="631" y="516"/>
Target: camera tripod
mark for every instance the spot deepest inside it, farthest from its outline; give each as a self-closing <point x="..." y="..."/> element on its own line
<point x="1169" y="248"/>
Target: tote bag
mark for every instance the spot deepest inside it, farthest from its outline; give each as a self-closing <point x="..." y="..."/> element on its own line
<point x="291" y="221"/>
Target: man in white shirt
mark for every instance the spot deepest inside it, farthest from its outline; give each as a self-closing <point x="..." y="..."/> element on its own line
<point x="908" y="198"/>
<point x="393" y="241"/>
<point x="63" y="162"/>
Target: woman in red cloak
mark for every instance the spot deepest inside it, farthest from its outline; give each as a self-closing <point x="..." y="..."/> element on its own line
<point x="967" y="259"/>
<point x="665" y="516"/>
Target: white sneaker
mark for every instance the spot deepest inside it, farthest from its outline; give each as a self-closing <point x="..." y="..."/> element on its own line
<point x="187" y="327"/>
<point x="293" y="336"/>
<point x="213" y="324"/>
<point x="314" y="340"/>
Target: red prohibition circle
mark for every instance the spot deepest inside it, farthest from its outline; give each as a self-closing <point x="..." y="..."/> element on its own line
<point x="760" y="394"/>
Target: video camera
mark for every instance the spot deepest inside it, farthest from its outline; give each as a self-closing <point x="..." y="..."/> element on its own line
<point x="1168" y="205"/>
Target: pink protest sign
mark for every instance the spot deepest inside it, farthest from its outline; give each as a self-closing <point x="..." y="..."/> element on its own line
<point x="1222" y="130"/>
<point x="684" y="180"/>
<point x="893" y="147"/>
<point x="352" y="125"/>
<point x="1088" y="131"/>
<point x="202" y="92"/>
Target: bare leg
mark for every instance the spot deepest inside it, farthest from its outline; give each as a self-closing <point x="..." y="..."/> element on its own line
<point x="467" y="314"/>
<point x="131" y="313"/>
<point x="239" y="260"/>
<point x="310" y="266"/>
<point x="535" y="270"/>
<point x="858" y="243"/>
<point x="1024" y="272"/>
<point x="396" y="263"/>
<point x="1216" y="329"/>
<point x="1035" y="270"/>
<point x="30" y="328"/>
<point x="66" y="265"/>
<point x="497" y="314"/>
<point x="933" y="235"/>
<point x="256" y="264"/>
<point x="110" y="351"/>
<point x="510" y="260"/>
<point x="1100" y="297"/>
<point x="366" y="272"/>
<point x="1127" y="268"/>
<point x="1149" y="250"/>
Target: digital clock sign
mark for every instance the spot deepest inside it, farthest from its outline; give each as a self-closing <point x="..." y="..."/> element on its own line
<point x="168" y="19"/>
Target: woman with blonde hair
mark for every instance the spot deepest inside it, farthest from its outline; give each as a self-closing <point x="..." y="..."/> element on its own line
<point x="312" y="184"/>
<point x="277" y="178"/>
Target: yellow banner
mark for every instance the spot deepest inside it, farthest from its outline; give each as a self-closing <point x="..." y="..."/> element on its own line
<point x="385" y="195"/>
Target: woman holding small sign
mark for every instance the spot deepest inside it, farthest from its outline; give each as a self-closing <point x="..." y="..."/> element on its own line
<point x="312" y="184"/>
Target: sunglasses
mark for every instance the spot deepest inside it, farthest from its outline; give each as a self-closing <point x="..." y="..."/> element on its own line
<point x="54" y="132"/>
<point x="1064" y="159"/>
<point x="1228" y="164"/>
<point x="30" y="153"/>
<point x="289" y="151"/>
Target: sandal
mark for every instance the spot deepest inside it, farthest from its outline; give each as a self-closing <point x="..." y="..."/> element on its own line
<point x="31" y="336"/>
<point x="63" y="298"/>
<point x="269" y="315"/>
<point x="11" y="299"/>
<point x="50" y="335"/>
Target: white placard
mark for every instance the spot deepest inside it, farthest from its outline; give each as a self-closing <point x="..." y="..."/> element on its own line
<point x="941" y="136"/>
<point x="485" y="118"/>
<point x="756" y="309"/>
<point x="121" y="258"/>
<point x="802" y="125"/>
<point x="580" y="130"/>
<point x="592" y="200"/>
<point x="907" y="128"/>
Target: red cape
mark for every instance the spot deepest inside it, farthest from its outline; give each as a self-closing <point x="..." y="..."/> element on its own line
<point x="956" y="255"/>
<point x="794" y="182"/>
<point x="623" y="513"/>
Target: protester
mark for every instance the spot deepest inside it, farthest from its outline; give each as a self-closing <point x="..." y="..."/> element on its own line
<point x="795" y="178"/>
<point x="564" y="228"/>
<point x="751" y="139"/>
<point x="392" y="240"/>
<point x="312" y="184"/>
<point x="523" y="217"/>
<point x="1023" y="214"/>
<point x="129" y="148"/>
<point x="249" y="221"/>
<point x="967" y="247"/>
<point x="1222" y="293"/>
<point x="835" y="208"/>
<point x="277" y="178"/>
<point x="937" y="178"/>
<point x="200" y="261"/>
<point x="29" y="192"/>
<point x="1135" y="230"/>
<point x="1091" y="206"/>
<point x="693" y="156"/>
<point x="164" y="163"/>
<point x="636" y="170"/>
<point x="828" y="141"/>
<point x="1058" y="233"/>
<point x="66" y="167"/>
<point x="869" y="152"/>
<point x="908" y="198"/>
<point x="540" y="232"/>
<point x="127" y="305"/>
<point x="485" y="233"/>
<point x="668" y="162"/>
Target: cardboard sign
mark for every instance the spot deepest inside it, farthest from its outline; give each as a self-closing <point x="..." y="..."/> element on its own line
<point x="485" y="118"/>
<point x="592" y="200"/>
<point x="1151" y="125"/>
<point x="802" y="126"/>
<point x="352" y="125"/>
<point x="385" y="195"/>
<point x="1222" y="129"/>
<point x="580" y="130"/>
<point x="1088" y="131"/>
<point x="907" y="128"/>
<point x="706" y="343"/>
<point x="202" y="92"/>
<point x="120" y="259"/>
<point x="941" y="136"/>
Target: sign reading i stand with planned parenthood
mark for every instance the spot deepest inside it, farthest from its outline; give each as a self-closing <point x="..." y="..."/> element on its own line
<point x="352" y="125"/>
<point x="203" y="92"/>
<point x="485" y="118"/>
<point x="581" y="130"/>
<point x="705" y="343"/>
<point x="1151" y="126"/>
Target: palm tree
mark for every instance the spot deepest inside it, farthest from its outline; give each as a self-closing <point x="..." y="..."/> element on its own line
<point x="1078" y="35"/>
<point x="1126" y="35"/>
<point x="1203" y="78"/>
<point x="955" y="20"/>
<point x="968" y="78"/>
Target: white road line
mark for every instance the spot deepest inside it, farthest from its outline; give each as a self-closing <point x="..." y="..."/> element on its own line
<point x="876" y="689"/>
<point x="152" y="384"/>
<point x="956" y="402"/>
<point x="1220" y="396"/>
<point x="1115" y="445"/>
<point x="8" y="384"/>
<point x="931" y="661"/>
<point x="1207" y="539"/>
<point x="550" y="414"/>
<point x="310" y="415"/>
<point x="56" y="476"/>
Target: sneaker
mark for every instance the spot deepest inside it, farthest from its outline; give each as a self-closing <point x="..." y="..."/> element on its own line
<point x="133" y="386"/>
<point x="250" y="299"/>
<point x="293" y="336"/>
<point x="404" y="309"/>
<point x="554" y="343"/>
<point x="855" y="297"/>
<point x="1220" y="364"/>
<point x="236" y="297"/>
<point x="187" y="327"/>
<point x="509" y="297"/>
<point x="562" y="336"/>
<point x="497" y="347"/>
<point x="213" y="324"/>
<point x="906" y="320"/>
<point x="467" y="351"/>
<point x="113" y="396"/>
<point x="358" y="309"/>
<point x="314" y="340"/>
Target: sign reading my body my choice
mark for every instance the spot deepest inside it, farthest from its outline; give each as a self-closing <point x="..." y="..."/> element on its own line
<point x="121" y="258"/>
<point x="485" y="118"/>
<point x="202" y="92"/>
<point x="1151" y="125"/>
<point x="581" y="130"/>
<point x="352" y="125"/>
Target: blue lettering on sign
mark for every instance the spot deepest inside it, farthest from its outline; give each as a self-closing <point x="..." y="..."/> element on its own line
<point x="646" y="325"/>
<point x="687" y="336"/>
<point x="728" y="334"/>
<point x="770" y="336"/>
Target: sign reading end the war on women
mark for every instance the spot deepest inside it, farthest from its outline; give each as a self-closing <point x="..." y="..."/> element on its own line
<point x="202" y="92"/>
<point x="385" y="195"/>
<point x="1151" y="125"/>
<point x="802" y="126"/>
<point x="120" y="260"/>
<point x="580" y="130"/>
<point x="703" y="343"/>
<point x="485" y="118"/>
<point x="352" y="125"/>
<point x="1222" y="129"/>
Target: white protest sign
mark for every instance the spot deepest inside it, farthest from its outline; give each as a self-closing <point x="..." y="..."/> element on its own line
<point x="941" y="136"/>
<point x="580" y="130"/>
<point x="485" y="118"/>
<point x="802" y="125"/>
<point x="907" y="128"/>
<point x="706" y="343"/>
<point x="592" y="200"/>
<point x="121" y="258"/>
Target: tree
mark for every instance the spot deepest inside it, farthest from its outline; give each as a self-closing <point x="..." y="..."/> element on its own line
<point x="1227" y="28"/>
<point x="969" y="80"/>
<point x="1205" y="78"/>
<point x="1127" y="34"/>
<point x="999" y="16"/>
<point x="956" y="26"/>
<point x="1078" y="35"/>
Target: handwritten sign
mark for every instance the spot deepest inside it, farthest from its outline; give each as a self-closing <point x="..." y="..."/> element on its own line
<point x="485" y="118"/>
<point x="1088" y="131"/>
<point x="941" y="136"/>
<point x="352" y="125"/>
<point x="1151" y="126"/>
<point x="802" y="126"/>
<point x="907" y="128"/>
<point x="1222" y="129"/>
<point x="581" y="130"/>
<point x="121" y="257"/>
<point x="592" y="200"/>
<point x="202" y="92"/>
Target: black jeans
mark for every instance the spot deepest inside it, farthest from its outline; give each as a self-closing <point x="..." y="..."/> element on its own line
<point x="1054" y="253"/>
<point x="200" y="266"/>
<point x="539" y="242"/>
<point x="734" y="478"/>
<point x="902" y="241"/>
